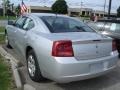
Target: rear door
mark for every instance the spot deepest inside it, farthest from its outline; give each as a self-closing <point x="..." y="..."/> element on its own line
<point x="11" y="29"/>
<point x="18" y="33"/>
<point x="21" y="34"/>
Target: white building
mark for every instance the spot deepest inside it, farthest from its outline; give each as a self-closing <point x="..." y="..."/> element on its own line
<point x="71" y="11"/>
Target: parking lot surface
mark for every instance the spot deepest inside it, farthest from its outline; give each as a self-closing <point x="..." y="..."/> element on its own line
<point x="110" y="81"/>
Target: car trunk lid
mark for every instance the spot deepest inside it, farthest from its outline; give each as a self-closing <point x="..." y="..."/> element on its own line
<point x="92" y="49"/>
<point x="86" y="45"/>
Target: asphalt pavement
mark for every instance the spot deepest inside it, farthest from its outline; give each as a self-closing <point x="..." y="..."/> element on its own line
<point x="110" y="81"/>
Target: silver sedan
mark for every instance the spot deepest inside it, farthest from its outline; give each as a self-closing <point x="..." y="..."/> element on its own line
<point x="60" y="48"/>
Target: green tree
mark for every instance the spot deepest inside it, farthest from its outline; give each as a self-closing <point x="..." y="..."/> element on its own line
<point x="18" y="10"/>
<point x="118" y="12"/>
<point x="60" y="7"/>
<point x="7" y="4"/>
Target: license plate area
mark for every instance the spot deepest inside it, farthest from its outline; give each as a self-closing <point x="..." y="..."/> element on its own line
<point x="96" y="67"/>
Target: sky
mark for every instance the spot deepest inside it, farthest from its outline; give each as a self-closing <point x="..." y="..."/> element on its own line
<point x="94" y="4"/>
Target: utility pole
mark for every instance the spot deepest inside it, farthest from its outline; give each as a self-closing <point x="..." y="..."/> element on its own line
<point x="109" y="9"/>
<point x="81" y="7"/>
<point x="104" y="7"/>
<point x="4" y="7"/>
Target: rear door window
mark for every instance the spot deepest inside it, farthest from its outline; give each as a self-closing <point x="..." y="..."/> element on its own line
<point x="20" y="22"/>
<point x="29" y="24"/>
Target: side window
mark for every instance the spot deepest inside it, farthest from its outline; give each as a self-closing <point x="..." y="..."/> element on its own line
<point x="19" y="23"/>
<point x="113" y="27"/>
<point x="117" y="28"/>
<point x="29" y="24"/>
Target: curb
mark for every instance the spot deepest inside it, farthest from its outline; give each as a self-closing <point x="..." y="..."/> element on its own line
<point x="16" y="75"/>
<point x="8" y="56"/>
<point x="14" y="65"/>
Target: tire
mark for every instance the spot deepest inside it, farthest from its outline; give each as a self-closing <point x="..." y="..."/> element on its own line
<point x="33" y="67"/>
<point x="7" y="41"/>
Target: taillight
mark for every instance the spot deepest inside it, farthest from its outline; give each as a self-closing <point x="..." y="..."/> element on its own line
<point x="114" y="45"/>
<point x="62" y="48"/>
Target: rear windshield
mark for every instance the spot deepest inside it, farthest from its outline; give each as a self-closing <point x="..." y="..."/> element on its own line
<point x="62" y="24"/>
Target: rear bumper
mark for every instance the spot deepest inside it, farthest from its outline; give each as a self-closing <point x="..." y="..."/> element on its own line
<point x="67" y="79"/>
<point x="68" y="69"/>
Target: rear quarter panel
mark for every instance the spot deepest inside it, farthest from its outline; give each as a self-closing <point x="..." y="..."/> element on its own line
<point x="42" y="48"/>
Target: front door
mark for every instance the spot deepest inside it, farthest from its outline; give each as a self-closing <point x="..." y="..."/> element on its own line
<point x="19" y="34"/>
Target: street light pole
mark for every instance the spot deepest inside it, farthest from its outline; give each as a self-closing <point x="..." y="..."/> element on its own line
<point x="104" y="7"/>
<point x="4" y="7"/>
<point x="109" y="9"/>
<point x="81" y="8"/>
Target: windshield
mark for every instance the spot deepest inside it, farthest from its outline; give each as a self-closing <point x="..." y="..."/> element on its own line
<point x="62" y="24"/>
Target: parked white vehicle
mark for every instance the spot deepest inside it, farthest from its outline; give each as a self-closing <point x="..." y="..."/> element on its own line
<point x="61" y="48"/>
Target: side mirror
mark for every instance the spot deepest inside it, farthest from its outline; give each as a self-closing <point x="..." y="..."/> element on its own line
<point x="11" y="23"/>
